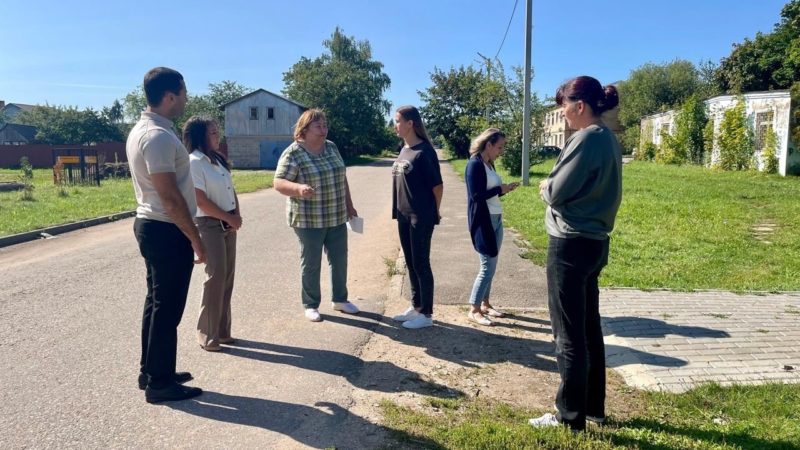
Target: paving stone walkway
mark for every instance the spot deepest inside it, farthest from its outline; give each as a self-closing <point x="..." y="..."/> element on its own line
<point x="673" y="341"/>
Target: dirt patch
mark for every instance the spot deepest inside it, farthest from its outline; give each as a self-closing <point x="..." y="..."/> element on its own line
<point x="512" y="362"/>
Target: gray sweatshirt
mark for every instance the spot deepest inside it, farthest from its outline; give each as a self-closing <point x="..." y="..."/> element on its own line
<point x="584" y="190"/>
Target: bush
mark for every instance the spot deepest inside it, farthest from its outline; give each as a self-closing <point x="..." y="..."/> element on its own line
<point x="26" y="178"/>
<point x="647" y="152"/>
<point x="115" y="170"/>
<point x="735" y="140"/>
<point x="768" y="155"/>
<point x="512" y="160"/>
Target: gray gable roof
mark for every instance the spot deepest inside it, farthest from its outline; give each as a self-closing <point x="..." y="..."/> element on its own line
<point x="222" y="107"/>
<point x="14" y="131"/>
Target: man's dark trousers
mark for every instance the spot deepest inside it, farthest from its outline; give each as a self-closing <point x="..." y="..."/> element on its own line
<point x="168" y="256"/>
<point x="573" y="267"/>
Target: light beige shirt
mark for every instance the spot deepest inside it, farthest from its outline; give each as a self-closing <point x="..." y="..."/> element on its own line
<point x="153" y="147"/>
<point x="214" y="180"/>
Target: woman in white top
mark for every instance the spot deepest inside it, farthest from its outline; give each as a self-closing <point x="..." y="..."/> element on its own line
<point x="218" y="219"/>
<point x="484" y="216"/>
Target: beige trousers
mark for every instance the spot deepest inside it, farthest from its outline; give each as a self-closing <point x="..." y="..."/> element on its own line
<point x="214" y="322"/>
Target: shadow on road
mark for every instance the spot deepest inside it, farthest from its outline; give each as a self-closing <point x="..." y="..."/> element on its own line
<point x="644" y="327"/>
<point x="387" y="376"/>
<point x="299" y="422"/>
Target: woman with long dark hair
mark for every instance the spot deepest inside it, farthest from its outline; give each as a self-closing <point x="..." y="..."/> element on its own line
<point x="417" y="183"/>
<point x="218" y="219"/>
<point x="583" y="194"/>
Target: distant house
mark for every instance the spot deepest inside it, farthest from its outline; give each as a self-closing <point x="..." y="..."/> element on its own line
<point x="258" y="127"/>
<point x="556" y="130"/>
<point x="8" y="111"/>
<point x="15" y="134"/>
<point x="765" y="111"/>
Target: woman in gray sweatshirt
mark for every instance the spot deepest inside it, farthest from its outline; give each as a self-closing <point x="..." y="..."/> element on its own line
<point x="583" y="194"/>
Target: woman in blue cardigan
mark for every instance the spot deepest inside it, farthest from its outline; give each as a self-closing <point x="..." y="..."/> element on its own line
<point x="484" y="213"/>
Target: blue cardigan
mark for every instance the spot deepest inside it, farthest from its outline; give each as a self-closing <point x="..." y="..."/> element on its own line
<point x="480" y="223"/>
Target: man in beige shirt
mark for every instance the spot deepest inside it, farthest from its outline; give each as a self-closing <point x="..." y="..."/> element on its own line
<point x="164" y="229"/>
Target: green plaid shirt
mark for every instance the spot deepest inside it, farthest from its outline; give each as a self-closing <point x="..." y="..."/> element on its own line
<point x="326" y="174"/>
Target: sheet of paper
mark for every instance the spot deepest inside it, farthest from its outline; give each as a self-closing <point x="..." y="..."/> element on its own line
<point x="356" y="225"/>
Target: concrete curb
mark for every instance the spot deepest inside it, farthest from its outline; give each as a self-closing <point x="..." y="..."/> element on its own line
<point x="14" y="239"/>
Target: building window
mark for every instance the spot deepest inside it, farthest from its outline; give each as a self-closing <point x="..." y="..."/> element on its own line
<point x="253" y="113"/>
<point x="665" y="128"/>
<point x="764" y="125"/>
<point x="270" y="113"/>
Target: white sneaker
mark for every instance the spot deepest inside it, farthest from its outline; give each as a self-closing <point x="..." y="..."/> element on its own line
<point x="479" y="319"/>
<point x="421" y="321"/>
<point x="345" y="307"/>
<point x="408" y="314"/>
<point x="313" y="315"/>
<point x="597" y="420"/>
<point x="547" y="420"/>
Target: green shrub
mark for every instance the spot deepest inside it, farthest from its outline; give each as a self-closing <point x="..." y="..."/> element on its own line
<point x="768" y="155"/>
<point x="26" y="178"/>
<point x="735" y="140"/>
<point x="647" y="152"/>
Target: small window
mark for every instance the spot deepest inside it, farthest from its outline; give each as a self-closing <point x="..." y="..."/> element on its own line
<point x="270" y="113"/>
<point x="764" y="126"/>
<point x="253" y="113"/>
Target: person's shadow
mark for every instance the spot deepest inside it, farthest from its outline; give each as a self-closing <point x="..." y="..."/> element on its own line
<point x="465" y="346"/>
<point x="311" y="426"/>
<point x="644" y="327"/>
<point x="385" y="376"/>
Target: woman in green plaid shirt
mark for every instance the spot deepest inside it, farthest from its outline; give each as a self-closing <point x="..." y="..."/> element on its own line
<point x="311" y="173"/>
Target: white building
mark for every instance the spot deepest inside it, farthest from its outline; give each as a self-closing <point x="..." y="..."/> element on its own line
<point x="765" y="111"/>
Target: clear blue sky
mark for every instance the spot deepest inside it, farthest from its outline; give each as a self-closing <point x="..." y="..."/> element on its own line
<point x="88" y="53"/>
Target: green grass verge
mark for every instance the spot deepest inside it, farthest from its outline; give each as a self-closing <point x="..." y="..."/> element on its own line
<point x="685" y="228"/>
<point x="49" y="207"/>
<point x="709" y="417"/>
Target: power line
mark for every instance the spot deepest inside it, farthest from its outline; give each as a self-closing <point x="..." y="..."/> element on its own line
<point x="507" y="28"/>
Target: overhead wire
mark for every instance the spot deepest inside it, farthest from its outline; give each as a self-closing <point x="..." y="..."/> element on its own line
<point x="507" y="28"/>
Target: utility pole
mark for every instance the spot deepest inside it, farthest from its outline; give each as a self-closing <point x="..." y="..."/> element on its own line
<point x="526" y="115"/>
<point x="488" y="63"/>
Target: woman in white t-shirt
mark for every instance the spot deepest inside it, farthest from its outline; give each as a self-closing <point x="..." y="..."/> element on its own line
<point x="218" y="219"/>
<point x="484" y="216"/>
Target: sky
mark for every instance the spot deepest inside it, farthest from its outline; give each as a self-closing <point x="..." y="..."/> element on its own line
<point x="89" y="53"/>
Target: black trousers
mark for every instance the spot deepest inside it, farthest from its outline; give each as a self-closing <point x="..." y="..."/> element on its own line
<point x="168" y="256"/>
<point x="573" y="266"/>
<point x="415" y="239"/>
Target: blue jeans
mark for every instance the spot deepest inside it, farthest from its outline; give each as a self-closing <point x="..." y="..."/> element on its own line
<point x="312" y="242"/>
<point x="483" y="282"/>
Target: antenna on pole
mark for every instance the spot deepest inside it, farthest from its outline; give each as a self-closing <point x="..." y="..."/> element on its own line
<point x="526" y="115"/>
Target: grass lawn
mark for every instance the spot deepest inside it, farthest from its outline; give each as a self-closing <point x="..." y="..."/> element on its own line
<point x="84" y="202"/>
<point x="685" y="228"/>
<point x="709" y="417"/>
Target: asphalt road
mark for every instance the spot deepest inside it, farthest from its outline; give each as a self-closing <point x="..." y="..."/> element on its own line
<point x="70" y="313"/>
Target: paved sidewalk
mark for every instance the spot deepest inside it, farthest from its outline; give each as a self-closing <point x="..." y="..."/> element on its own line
<point x="674" y="340"/>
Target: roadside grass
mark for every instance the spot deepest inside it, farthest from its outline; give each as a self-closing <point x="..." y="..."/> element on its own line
<point x="84" y="202"/>
<point x="684" y="228"/>
<point x="708" y="417"/>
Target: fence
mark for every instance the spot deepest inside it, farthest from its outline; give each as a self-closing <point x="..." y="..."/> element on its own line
<point x="41" y="155"/>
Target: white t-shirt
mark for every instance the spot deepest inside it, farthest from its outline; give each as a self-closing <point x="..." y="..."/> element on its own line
<point x="493" y="180"/>
<point x="153" y="147"/>
<point x="214" y="180"/>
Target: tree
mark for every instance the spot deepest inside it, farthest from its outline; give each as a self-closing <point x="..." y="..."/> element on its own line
<point x="735" y="139"/>
<point x="68" y="125"/>
<point x="348" y="84"/>
<point x="652" y="88"/>
<point x="769" y="61"/>
<point x="202" y="105"/>
<point x="453" y="104"/>
<point x="686" y="144"/>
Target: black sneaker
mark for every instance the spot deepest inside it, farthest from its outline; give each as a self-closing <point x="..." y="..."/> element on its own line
<point x="180" y="378"/>
<point x="170" y="393"/>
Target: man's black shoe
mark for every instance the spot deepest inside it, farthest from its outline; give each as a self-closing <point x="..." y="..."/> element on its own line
<point x="171" y="392"/>
<point x="180" y="377"/>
